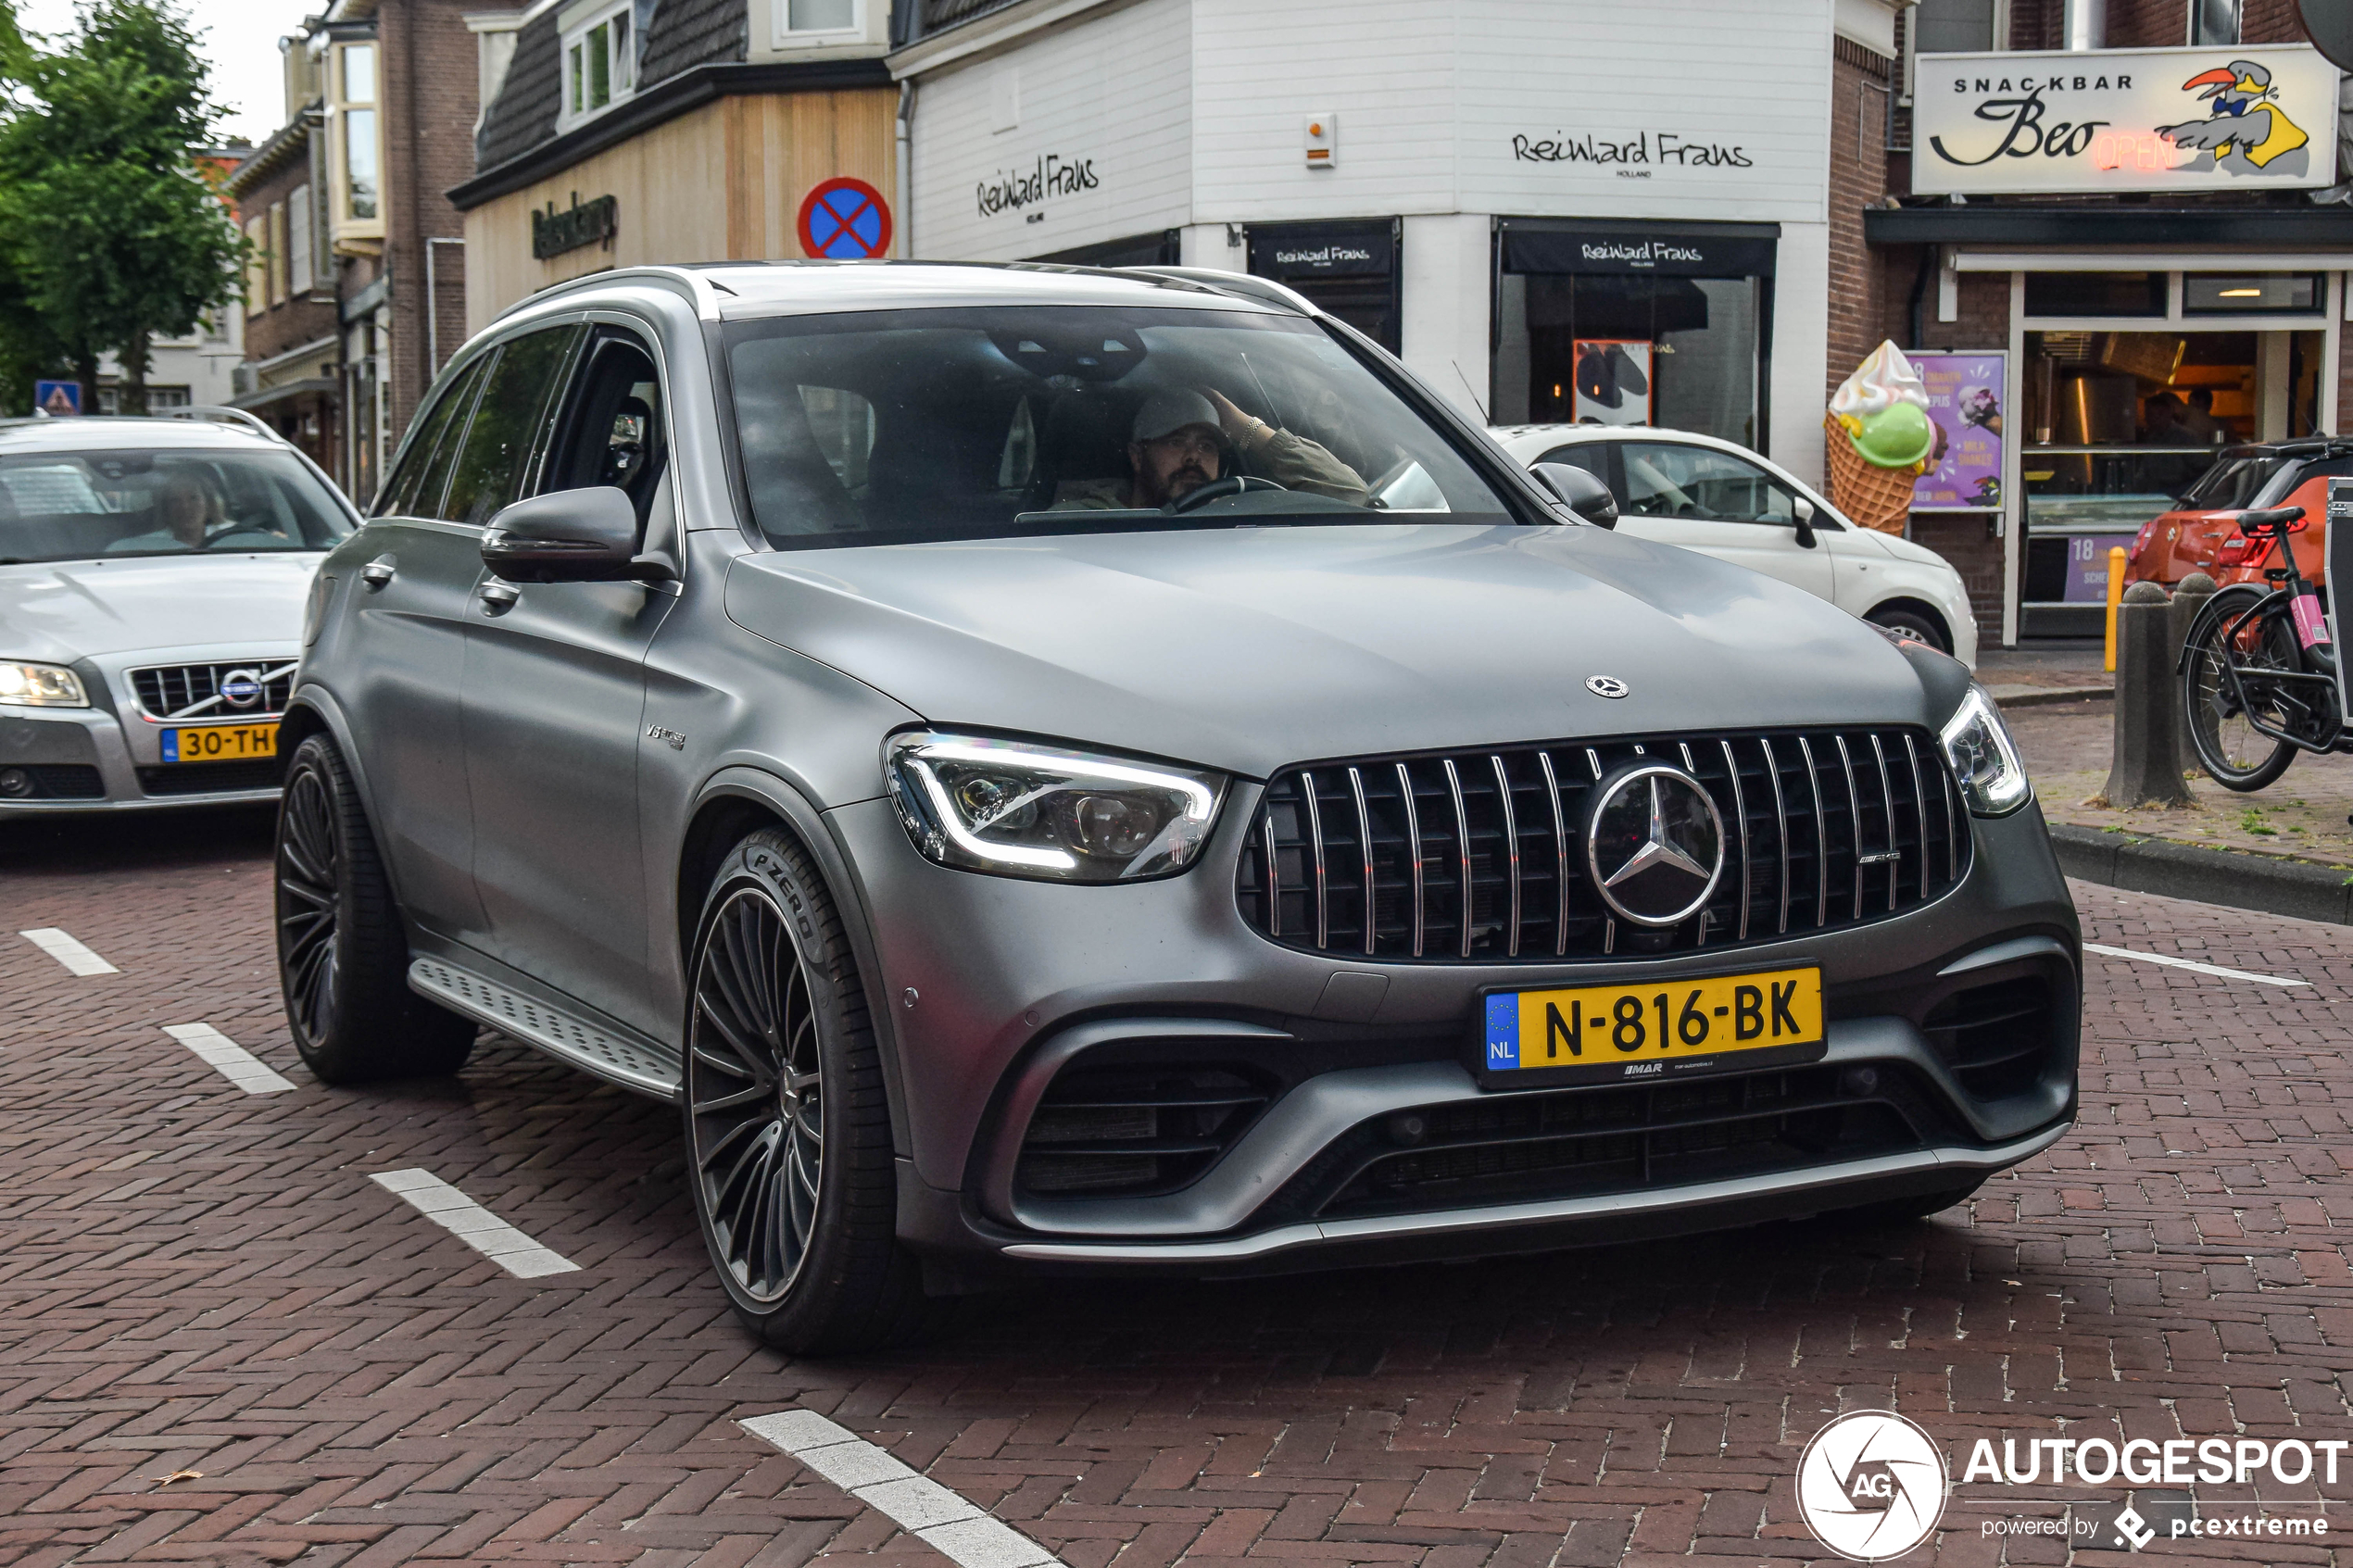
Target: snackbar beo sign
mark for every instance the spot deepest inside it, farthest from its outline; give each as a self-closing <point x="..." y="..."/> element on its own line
<point x="2240" y="117"/>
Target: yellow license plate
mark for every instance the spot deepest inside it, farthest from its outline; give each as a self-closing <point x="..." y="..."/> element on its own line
<point x="1654" y="1029"/>
<point x="220" y="742"/>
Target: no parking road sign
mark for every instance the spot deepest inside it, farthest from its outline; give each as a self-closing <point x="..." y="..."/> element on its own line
<point x="845" y="220"/>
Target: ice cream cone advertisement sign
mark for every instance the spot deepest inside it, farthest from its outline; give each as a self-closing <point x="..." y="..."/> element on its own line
<point x="1880" y="439"/>
<point x="2125" y="120"/>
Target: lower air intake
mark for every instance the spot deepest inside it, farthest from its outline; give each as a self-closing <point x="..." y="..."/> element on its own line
<point x="1134" y="1131"/>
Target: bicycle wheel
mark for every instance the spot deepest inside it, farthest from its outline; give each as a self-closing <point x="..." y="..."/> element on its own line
<point x="2233" y="752"/>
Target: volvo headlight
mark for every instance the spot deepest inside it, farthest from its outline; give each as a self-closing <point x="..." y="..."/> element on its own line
<point x="1017" y="809"/>
<point x="1984" y="759"/>
<point x="42" y="685"/>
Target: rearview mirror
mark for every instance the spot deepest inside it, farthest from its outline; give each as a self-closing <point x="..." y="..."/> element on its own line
<point x="1579" y="491"/>
<point x="570" y="536"/>
<point x="1804" y="513"/>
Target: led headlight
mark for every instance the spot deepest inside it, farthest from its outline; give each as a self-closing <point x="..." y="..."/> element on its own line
<point x="1017" y="809"/>
<point x="1984" y="759"/>
<point x="41" y="686"/>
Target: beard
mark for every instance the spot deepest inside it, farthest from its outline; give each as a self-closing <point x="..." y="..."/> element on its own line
<point x="1187" y="480"/>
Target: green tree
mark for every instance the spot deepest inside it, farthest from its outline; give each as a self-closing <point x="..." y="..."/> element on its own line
<point x="111" y="235"/>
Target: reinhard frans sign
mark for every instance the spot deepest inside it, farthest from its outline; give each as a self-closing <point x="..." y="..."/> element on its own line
<point x="2243" y="117"/>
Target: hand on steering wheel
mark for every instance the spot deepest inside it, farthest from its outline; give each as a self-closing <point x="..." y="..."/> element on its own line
<point x="1232" y="484"/>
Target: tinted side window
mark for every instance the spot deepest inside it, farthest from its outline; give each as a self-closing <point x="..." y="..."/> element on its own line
<point x="611" y="429"/>
<point x="409" y="481"/>
<point x="1665" y="479"/>
<point x="489" y="464"/>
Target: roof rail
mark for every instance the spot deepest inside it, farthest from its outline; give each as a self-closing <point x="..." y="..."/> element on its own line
<point x="1246" y="285"/>
<point x="223" y="414"/>
<point x="700" y="291"/>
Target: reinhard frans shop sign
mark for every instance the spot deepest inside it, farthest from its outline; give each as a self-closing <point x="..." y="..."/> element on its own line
<point x="2244" y="118"/>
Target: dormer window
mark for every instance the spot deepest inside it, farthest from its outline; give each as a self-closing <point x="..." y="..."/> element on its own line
<point x="600" y="61"/>
<point x="806" y="23"/>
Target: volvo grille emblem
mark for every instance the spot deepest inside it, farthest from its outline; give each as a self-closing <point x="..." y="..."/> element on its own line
<point x="240" y="688"/>
<point x="1606" y="685"/>
<point x="1655" y="844"/>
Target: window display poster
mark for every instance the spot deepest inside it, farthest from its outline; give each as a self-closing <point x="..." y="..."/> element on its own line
<point x="2087" y="566"/>
<point x="1965" y="404"/>
<point x="1613" y="381"/>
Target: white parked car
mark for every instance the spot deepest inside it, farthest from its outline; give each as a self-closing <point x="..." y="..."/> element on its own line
<point x="1723" y="500"/>
<point x="153" y="573"/>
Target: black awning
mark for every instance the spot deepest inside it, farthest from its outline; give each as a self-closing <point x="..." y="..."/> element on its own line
<point x="2083" y="227"/>
<point x="1681" y="250"/>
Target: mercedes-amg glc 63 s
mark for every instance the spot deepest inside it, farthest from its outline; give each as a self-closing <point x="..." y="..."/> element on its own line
<point x="1057" y="769"/>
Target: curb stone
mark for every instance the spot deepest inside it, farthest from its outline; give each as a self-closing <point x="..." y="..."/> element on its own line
<point x="2297" y="888"/>
<point x="2046" y="696"/>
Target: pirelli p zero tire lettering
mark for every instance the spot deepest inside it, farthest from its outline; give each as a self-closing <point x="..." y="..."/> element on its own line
<point x="342" y="954"/>
<point x="786" y="1120"/>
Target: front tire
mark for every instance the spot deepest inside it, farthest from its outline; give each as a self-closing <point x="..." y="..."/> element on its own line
<point x="2232" y="751"/>
<point x="1915" y="623"/>
<point x="342" y="954"/>
<point x="787" y="1121"/>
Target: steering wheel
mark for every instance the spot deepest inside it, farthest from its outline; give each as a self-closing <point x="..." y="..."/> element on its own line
<point x="1232" y="484"/>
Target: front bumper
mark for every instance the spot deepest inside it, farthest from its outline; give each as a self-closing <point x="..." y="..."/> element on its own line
<point x="108" y="756"/>
<point x="997" y="987"/>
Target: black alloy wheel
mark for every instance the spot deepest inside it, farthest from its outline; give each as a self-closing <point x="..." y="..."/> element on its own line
<point x="787" y="1121"/>
<point x="756" y="1091"/>
<point x="343" y="950"/>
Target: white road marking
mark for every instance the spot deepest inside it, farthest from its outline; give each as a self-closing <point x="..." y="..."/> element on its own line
<point x="69" y="952"/>
<point x="2185" y="963"/>
<point x="231" y="1060"/>
<point x="473" y="1224"/>
<point x="915" y="1503"/>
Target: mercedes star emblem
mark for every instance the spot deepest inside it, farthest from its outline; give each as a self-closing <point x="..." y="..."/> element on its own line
<point x="1606" y="685"/>
<point x="1655" y="844"/>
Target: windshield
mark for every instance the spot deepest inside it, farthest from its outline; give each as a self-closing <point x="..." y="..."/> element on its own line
<point x="67" y="506"/>
<point x="895" y="426"/>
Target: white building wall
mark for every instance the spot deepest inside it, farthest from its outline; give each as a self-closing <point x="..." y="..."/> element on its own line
<point x="1111" y="94"/>
<point x="1442" y="336"/>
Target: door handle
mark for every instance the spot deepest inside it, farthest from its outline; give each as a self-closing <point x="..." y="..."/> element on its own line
<point x="377" y="573"/>
<point x="497" y="598"/>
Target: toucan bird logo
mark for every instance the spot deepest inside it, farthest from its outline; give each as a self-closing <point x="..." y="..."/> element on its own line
<point x="2243" y="119"/>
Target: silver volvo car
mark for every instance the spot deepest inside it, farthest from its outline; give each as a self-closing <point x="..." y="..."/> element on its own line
<point x="152" y="574"/>
<point x="1066" y="770"/>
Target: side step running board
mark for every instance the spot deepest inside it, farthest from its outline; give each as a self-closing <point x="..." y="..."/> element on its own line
<point x="629" y="1060"/>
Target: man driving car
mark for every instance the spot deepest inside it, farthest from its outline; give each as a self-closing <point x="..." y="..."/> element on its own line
<point x="1179" y="442"/>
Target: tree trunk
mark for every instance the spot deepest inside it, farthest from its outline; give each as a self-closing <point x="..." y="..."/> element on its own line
<point x="131" y="395"/>
<point x="85" y="371"/>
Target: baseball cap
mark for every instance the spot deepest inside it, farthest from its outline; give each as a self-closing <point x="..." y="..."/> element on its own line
<point x="1168" y="411"/>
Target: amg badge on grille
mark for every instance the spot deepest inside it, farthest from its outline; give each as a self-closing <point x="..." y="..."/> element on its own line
<point x="1655" y="845"/>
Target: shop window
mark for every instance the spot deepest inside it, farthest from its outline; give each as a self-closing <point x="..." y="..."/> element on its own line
<point x="2095" y="293"/>
<point x="1630" y="349"/>
<point x="2214" y="21"/>
<point x="2262" y="294"/>
<point x="601" y="62"/>
<point x="801" y="23"/>
<point x="1349" y="269"/>
<point x="1953" y="27"/>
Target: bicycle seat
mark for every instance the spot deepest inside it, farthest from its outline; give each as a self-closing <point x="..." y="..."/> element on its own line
<point x="2273" y="519"/>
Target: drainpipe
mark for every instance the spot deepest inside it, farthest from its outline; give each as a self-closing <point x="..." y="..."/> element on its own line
<point x="2084" y="26"/>
<point x="905" y="133"/>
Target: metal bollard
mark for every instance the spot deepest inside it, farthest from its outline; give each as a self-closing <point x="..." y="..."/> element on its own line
<point x="2115" y="593"/>
<point x="2146" y="769"/>
<point x="2188" y="599"/>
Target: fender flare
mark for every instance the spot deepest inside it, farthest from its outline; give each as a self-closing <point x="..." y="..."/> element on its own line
<point x="326" y="714"/>
<point x="814" y="829"/>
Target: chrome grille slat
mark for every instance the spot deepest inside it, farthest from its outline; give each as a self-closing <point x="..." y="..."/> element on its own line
<point x="1511" y="849"/>
<point x="1300" y="852"/>
<point x="1364" y="843"/>
<point x="1560" y="847"/>
<point x="1315" y="839"/>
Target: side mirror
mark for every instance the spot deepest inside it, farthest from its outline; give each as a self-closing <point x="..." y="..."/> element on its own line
<point x="1579" y="491"/>
<point x="1803" y="512"/>
<point x="568" y="536"/>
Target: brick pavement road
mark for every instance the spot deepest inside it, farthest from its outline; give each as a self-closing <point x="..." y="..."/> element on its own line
<point x="195" y="1280"/>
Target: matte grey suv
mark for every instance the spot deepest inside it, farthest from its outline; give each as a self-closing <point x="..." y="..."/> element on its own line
<point x="1058" y="769"/>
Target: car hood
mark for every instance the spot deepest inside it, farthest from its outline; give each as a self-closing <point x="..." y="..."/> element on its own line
<point x="58" y="611"/>
<point x="1248" y="648"/>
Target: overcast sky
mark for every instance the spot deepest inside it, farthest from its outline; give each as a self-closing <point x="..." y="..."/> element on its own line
<point x="239" y="40"/>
